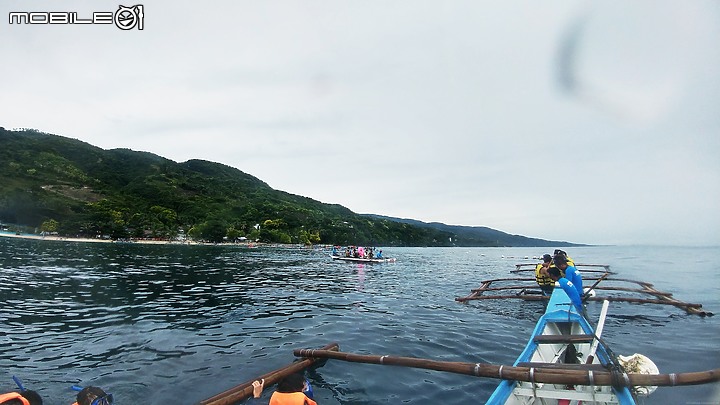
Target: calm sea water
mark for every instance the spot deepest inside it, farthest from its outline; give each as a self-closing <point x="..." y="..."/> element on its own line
<point x="178" y="324"/>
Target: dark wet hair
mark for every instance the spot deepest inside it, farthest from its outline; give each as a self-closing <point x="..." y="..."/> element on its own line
<point x="32" y="397"/>
<point x="292" y="383"/>
<point x="554" y="271"/>
<point x="560" y="259"/>
<point x="89" y="394"/>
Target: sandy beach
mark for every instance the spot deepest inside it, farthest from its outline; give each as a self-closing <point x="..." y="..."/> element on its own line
<point x="90" y="240"/>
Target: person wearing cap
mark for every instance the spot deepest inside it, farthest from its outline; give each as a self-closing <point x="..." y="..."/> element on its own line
<point x="26" y="397"/>
<point x="571" y="272"/>
<point x="570" y="261"/>
<point x="93" y="396"/>
<point x="541" y="275"/>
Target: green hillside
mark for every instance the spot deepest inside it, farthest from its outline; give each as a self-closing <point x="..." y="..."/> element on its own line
<point x="58" y="184"/>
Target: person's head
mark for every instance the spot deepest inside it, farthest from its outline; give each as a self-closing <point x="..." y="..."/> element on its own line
<point x="554" y="273"/>
<point x="292" y="383"/>
<point x="559" y="252"/>
<point x="560" y="261"/>
<point x="31" y="396"/>
<point x="547" y="258"/>
<point x="94" y="396"/>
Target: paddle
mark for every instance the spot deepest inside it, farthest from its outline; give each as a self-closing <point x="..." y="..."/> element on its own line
<point x="598" y="332"/>
<point x="245" y="390"/>
<point x="585" y="295"/>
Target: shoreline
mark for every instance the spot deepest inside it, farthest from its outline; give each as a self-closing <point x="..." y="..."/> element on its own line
<point x="90" y="240"/>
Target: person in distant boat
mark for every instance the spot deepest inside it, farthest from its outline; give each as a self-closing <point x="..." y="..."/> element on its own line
<point x="93" y="396"/>
<point x="290" y="391"/>
<point x="562" y="252"/>
<point x="26" y="397"/>
<point x="571" y="272"/>
<point x="379" y="255"/>
<point x="542" y="277"/>
<point x="567" y="286"/>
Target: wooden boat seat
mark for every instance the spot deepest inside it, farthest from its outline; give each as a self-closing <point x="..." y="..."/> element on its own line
<point x="548" y="339"/>
<point x="563" y="366"/>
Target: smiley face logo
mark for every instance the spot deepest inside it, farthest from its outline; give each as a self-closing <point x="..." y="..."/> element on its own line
<point x="126" y="18"/>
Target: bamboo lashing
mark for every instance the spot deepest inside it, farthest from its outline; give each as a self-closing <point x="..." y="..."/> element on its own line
<point x="550" y="375"/>
<point x="245" y="390"/>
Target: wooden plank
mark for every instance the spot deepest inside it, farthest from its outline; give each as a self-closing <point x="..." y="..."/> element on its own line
<point x="553" y="339"/>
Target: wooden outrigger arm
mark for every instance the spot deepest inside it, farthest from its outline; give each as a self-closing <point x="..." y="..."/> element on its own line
<point x="660" y="297"/>
<point x="245" y="390"/>
<point x="576" y="374"/>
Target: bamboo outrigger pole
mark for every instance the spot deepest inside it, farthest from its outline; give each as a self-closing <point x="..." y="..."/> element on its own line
<point x="660" y="297"/>
<point x="245" y="390"/>
<point x="572" y="374"/>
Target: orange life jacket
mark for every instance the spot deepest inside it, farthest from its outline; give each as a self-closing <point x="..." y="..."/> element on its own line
<point x="290" y="398"/>
<point x="13" y="395"/>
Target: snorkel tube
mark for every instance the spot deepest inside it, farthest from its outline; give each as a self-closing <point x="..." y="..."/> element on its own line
<point x="308" y="391"/>
<point x="19" y="384"/>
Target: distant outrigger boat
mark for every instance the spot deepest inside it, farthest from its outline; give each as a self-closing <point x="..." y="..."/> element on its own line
<point x="363" y="260"/>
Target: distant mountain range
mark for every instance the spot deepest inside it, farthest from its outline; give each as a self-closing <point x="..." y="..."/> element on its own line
<point x="61" y="185"/>
<point x="481" y="235"/>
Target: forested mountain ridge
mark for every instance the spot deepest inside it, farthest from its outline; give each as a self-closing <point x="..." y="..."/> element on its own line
<point x="59" y="184"/>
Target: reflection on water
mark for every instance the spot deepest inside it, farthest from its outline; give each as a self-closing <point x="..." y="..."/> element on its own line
<point x="176" y="324"/>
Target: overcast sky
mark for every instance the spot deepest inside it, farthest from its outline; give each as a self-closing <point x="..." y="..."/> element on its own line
<point x="591" y="122"/>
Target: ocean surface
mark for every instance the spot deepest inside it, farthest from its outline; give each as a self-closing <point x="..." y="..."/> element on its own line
<point x="164" y="324"/>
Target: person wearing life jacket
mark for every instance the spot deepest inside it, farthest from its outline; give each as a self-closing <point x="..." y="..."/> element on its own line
<point x="290" y="391"/>
<point x="541" y="275"/>
<point x="567" y="286"/>
<point x="93" y="396"/>
<point x="26" y="397"/>
<point x="570" y="261"/>
<point x="571" y="272"/>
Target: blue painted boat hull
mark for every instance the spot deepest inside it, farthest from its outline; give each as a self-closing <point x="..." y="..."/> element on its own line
<point x="561" y="318"/>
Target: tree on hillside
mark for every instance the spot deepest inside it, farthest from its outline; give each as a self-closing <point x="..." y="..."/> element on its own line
<point x="49" y="226"/>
